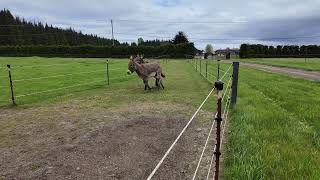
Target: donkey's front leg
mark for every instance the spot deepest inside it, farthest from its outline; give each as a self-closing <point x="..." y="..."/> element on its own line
<point x="161" y="84"/>
<point x="146" y="85"/>
<point x="157" y="83"/>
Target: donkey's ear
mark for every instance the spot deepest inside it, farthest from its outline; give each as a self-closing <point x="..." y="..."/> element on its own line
<point x="141" y="56"/>
<point x="131" y="58"/>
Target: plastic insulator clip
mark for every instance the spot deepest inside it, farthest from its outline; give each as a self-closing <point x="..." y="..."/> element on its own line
<point x="219" y="85"/>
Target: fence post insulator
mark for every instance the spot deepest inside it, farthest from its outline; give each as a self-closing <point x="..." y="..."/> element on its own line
<point x="219" y="85"/>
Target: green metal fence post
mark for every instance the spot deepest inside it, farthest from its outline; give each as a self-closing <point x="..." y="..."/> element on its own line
<point x="11" y="85"/>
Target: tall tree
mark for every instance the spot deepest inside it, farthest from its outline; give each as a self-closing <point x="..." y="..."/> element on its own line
<point x="209" y="49"/>
<point x="181" y="37"/>
<point x="140" y="41"/>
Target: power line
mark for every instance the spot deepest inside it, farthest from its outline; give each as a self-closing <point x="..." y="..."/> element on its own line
<point x="262" y="39"/>
<point x="183" y="22"/>
<point x="151" y="35"/>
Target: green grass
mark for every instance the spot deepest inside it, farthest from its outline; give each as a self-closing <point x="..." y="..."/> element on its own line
<point x="25" y="72"/>
<point x="309" y="64"/>
<point x="208" y="69"/>
<point x="275" y="129"/>
<point x="181" y="85"/>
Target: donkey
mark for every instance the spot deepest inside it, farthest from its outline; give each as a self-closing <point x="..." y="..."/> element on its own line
<point x="141" y="60"/>
<point x="145" y="70"/>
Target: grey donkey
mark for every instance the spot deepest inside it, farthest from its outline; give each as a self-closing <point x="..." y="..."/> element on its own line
<point x="145" y="71"/>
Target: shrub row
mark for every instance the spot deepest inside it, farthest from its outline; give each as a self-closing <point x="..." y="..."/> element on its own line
<point x="169" y="50"/>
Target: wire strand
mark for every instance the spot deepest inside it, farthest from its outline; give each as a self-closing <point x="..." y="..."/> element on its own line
<point x="215" y="146"/>
<point x="226" y="72"/>
<point x="48" y="77"/>
<point x="176" y="140"/>
<point x="57" y="89"/>
<point x="204" y="148"/>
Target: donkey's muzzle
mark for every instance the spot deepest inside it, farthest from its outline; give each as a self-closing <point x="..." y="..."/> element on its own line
<point x="129" y="72"/>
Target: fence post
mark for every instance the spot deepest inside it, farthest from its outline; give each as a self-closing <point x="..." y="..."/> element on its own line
<point x="11" y="85"/>
<point x="200" y="66"/>
<point x="108" y="78"/>
<point x="219" y="86"/>
<point x="207" y="69"/>
<point x="197" y="65"/>
<point x="218" y="69"/>
<point x="234" y="86"/>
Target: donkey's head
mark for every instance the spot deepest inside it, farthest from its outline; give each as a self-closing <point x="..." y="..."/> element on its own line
<point x="131" y="65"/>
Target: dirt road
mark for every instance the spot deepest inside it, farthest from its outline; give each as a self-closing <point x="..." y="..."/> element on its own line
<point x="315" y="76"/>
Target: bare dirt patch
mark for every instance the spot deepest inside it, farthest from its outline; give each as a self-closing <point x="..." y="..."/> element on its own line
<point x="73" y="142"/>
<point x="315" y="76"/>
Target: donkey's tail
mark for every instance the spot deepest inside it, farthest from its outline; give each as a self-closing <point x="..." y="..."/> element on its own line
<point x="162" y="75"/>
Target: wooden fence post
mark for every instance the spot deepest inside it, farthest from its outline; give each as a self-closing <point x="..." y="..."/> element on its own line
<point x="235" y="76"/>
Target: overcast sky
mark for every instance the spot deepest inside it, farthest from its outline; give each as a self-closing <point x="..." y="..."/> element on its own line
<point x="223" y="24"/>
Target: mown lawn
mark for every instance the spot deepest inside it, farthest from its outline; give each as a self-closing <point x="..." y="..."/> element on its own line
<point x="275" y="129"/>
<point x="308" y="64"/>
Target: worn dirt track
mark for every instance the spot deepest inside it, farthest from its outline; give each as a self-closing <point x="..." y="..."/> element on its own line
<point x="68" y="142"/>
<point x="315" y="76"/>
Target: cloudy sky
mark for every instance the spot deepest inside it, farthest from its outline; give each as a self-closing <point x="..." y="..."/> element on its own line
<point x="223" y="24"/>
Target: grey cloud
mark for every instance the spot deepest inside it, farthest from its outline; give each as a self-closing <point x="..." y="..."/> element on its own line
<point x="264" y="19"/>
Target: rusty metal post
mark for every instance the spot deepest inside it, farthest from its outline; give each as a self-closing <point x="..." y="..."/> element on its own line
<point x="11" y="85"/>
<point x="217" y="152"/>
<point x="219" y="86"/>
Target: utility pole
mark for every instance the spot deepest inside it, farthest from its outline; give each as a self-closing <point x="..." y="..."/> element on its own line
<point x="112" y="32"/>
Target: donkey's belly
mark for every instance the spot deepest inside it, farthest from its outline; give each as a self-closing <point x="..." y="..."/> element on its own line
<point x="152" y="74"/>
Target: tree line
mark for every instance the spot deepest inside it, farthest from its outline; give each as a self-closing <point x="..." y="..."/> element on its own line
<point x="19" y="37"/>
<point x="263" y="51"/>
<point x="17" y="31"/>
<point x="168" y="50"/>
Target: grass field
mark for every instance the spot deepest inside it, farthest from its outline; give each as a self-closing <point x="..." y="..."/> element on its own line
<point x="73" y="113"/>
<point x="37" y="79"/>
<point x="274" y="132"/>
<point x="309" y="64"/>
